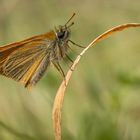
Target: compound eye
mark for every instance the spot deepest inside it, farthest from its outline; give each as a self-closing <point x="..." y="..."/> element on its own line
<point x="61" y="34"/>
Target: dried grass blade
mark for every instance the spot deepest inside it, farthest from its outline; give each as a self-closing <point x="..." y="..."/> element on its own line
<point x="58" y="102"/>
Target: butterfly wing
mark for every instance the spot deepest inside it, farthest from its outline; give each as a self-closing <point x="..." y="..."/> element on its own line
<point x="6" y="50"/>
<point x="22" y="63"/>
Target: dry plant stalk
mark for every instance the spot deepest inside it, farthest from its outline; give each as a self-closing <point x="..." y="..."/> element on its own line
<point x="58" y="102"/>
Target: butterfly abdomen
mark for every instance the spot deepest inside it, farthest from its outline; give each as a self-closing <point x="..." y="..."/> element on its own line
<point x="41" y="69"/>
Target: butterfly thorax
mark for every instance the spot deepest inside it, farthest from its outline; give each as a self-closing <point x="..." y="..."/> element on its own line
<point x="59" y="46"/>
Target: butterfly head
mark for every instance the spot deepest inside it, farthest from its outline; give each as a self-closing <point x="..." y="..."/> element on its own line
<point x="63" y="32"/>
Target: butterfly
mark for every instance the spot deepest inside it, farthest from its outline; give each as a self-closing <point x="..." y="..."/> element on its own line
<point x="26" y="61"/>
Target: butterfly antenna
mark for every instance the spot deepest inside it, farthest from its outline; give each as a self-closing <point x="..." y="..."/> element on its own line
<point x="70" y="19"/>
<point x="70" y="25"/>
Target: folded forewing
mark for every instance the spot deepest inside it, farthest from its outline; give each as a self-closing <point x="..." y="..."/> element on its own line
<point x="22" y="63"/>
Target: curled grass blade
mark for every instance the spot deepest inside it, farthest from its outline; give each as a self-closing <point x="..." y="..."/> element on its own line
<point x="58" y="102"/>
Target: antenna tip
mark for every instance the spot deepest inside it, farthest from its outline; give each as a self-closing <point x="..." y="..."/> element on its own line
<point x="74" y="14"/>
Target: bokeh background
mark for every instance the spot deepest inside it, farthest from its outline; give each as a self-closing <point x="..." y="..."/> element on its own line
<point x="102" y="100"/>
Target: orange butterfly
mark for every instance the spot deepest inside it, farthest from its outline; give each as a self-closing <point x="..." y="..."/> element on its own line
<point x="26" y="61"/>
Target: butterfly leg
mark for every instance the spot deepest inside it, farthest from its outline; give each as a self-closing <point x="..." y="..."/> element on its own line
<point x="58" y="67"/>
<point x="69" y="47"/>
<point x="76" y="44"/>
<point x="69" y="58"/>
<point x="71" y="62"/>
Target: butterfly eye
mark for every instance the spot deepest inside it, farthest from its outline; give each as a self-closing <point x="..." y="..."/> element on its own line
<point x="61" y="34"/>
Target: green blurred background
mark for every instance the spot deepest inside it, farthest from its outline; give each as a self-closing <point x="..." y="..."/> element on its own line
<point x="102" y="100"/>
